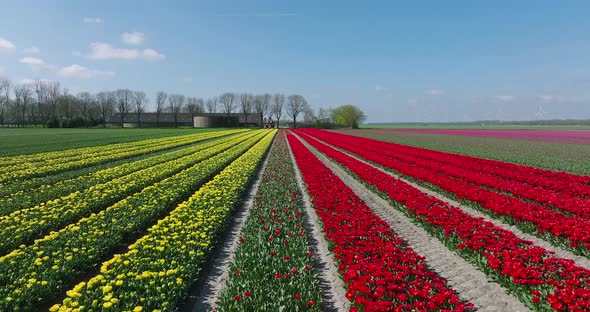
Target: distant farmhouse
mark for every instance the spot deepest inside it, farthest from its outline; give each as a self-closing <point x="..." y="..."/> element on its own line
<point x="189" y="120"/>
<point x="222" y="120"/>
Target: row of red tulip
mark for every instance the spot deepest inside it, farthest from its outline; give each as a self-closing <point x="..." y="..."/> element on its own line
<point x="534" y="275"/>
<point x="560" y="182"/>
<point x="563" y="195"/>
<point x="568" y="231"/>
<point x="380" y="271"/>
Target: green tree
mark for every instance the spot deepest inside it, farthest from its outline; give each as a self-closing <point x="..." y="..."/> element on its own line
<point x="349" y="115"/>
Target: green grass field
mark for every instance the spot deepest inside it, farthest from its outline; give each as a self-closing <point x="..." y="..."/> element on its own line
<point x="16" y="141"/>
<point x="566" y="157"/>
<point x="462" y="126"/>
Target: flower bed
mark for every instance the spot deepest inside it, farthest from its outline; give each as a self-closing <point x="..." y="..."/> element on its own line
<point x="34" y="274"/>
<point x="537" y="278"/>
<point x="159" y="268"/>
<point x="272" y="267"/>
<point x="380" y="272"/>
<point x="25" y="225"/>
<point x="28" y="166"/>
<point x="561" y="182"/>
<point x="45" y="192"/>
<point x="567" y="231"/>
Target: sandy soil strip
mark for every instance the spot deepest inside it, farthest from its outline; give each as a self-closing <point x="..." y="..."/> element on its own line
<point x="216" y="273"/>
<point x="559" y="252"/>
<point x="333" y="291"/>
<point x="470" y="283"/>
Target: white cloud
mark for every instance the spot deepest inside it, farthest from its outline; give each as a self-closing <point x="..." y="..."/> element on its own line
<point x="134" y="38"/>
<point x="504" y="98"/>
<point x="93" y="20"/>
<point x="6" y="45"/>
<point x="31" y="61"/>
<point x="152" y="55"/>
<point x="32" y="50"/>
<point x="547" y="97"/>
<point x="38" y="65"/>
<point x="72" y="71"/>
<point x="105" y="51"/>
<point x="79" y="71"/>
<point x="435" y="92"/>
<point x="379" y="88"/>
<point x="187" y="79"/>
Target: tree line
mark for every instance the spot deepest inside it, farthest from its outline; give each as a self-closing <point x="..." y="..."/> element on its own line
<point x="47" y="103"/>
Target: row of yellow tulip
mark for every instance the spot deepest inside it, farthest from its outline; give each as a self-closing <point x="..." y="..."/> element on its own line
<point x="85" y="151"/>
<point x="51" y="158"/>
<point x="25" y="198"/>
<point x="27" y="169"/>
<point x="157" y="271"/>
<point x="25" y="225"/>
<point x="34" y="275"/>
<point x="31" y="183"/>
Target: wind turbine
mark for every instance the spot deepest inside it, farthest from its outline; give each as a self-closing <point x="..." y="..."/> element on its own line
<point x="541" y="112"/>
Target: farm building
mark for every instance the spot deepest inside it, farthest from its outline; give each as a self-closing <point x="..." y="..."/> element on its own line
<point x="151" y="120"/>
<point x="186" y="120"/>
<point x="222" y="120"/>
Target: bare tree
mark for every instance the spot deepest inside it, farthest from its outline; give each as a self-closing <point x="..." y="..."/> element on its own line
<point x="123" y="97"/>
<point x="175" y="105"/>
<point x="309" y="114"/>
<point x="194" y="106"/>
<point x="296" y="104"/>
<point x="85" y="99"/>
<point x="5" y="87"/>
<point x="94" y="111"/>
<point x="53" y="95"/>
<point x="324" y="114"/>
<point x="262" y="104"/>
<point x="160" y="104"/>
<point x="246" y="104"/>
<point x="200" y="105"/>
<point x="228" y="104"/>
<point x="266" y="99"/>
<point x="106" y="105"/>
<point x="278" y="101"/>
<point x="139" y="102"/>
<point x="211" y="105"/>
<point x="67" y="105"/>
<point x="41" y="90"/>
<point x="22" y="96"/>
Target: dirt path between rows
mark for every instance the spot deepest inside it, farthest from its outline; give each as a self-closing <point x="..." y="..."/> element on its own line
<point x="470" y="283"/>
<point x="559" y="252"/>
<point x="216" y="273"/>
<point x="333" y="290"/>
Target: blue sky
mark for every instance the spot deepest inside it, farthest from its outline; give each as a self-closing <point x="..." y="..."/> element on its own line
<point x="398" y="61"/>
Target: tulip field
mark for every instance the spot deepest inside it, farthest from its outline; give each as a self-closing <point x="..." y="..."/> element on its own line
<point x="556" y="150"/>
<point x="287" y="220"/>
